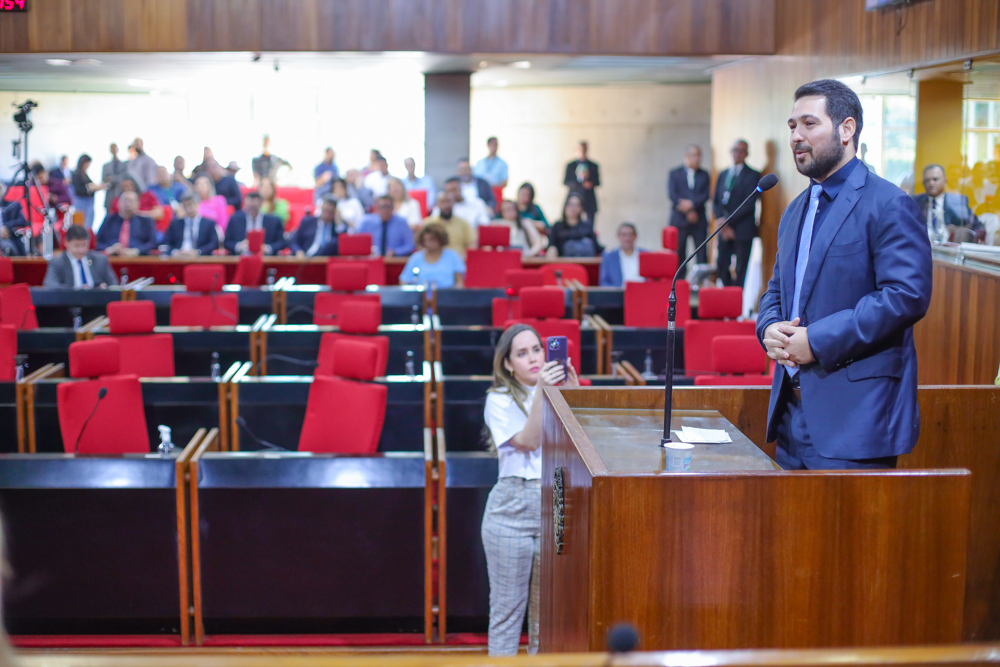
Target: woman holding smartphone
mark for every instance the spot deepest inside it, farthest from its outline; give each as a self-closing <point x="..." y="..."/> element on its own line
<point x="512" y="521"/>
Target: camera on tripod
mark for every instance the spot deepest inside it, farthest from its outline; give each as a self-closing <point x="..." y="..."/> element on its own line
<point x="21" y="117"/>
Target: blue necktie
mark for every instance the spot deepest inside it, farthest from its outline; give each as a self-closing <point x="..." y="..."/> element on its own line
<point x="802" y="259"/>
<point x="83" y="274"/>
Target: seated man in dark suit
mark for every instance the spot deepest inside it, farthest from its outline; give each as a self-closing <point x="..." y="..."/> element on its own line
<point x="12" y="220"/>
<point x="226" y="185"/>
<point x="317" y="237"/>
<point x="191" y="235"/>
<point x="940" y="209"/>
<point x="251" y="218"/>
<point x="79" y="267"/>
<point x="126" y="233"/>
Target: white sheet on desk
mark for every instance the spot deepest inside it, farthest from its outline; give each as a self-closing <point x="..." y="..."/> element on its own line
<point x="703" y="436"/>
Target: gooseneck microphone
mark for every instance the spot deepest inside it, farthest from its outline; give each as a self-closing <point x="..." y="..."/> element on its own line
<point x="100" y="397"/>
<point x="242" y="423"/>
<point x="622" y="638"/>
<point x="765" y="184"/>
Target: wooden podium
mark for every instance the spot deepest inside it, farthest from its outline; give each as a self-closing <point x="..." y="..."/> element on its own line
<point x="736" y="553"/>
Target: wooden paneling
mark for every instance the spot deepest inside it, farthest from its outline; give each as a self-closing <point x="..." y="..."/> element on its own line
<point x="958" y="341"/>
<point x="640" y="27"/>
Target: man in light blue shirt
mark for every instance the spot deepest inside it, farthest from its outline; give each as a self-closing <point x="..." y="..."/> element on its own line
<point x="491" y="168"/>
<point x="325" y="173"/>
<point x="425" y="182"/>
<point x="391" y="235"/>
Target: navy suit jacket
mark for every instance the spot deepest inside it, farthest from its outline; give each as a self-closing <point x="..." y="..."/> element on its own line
<point x="206" y="241"/>
<point x="956" y="211"/>
<point x="142" y="233"/>
<point x="611" y="268"/>
<point x="13" y="220"/>
<point x="677" y="189"/>
<point x="274" y="232"/>
<point x="230" y="189"/>
<point x="304" y="236"/>
<point x="744" y="225"/>
<point x="867" y="283"/>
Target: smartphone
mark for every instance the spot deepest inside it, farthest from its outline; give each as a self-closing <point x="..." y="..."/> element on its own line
<point x="557" y="349"/>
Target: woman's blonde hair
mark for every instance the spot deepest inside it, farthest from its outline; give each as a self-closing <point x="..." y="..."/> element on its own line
<point x="503" y="380"/>
<point x="406" y="195"/>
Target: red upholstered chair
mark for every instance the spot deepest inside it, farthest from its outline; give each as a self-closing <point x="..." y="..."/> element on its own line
<point x="487" y="268"/>
<point x="358" y="319"/>
<point x="346" y="411"/>
<point x="509" y="307"/>
<point x="354" y="245"/>
<point x="670" y="238"/>
<point x="142" y="352"/>
<point x="16" y="308"/>
<point x="255" y="241"/>
<point x="249" y="269"/>
<point x="647" y="303"/>
<point x="8" y="352"/>
<point x="421" y="198"/>
<point x="118" y="424"/>
<point x="348" y="281"/>
<point x="210" y="308"/>
<point x="568" y="271"/>
<point x="714" y="304"/>
<point x="544" y="308"/>
<point x="741" y="358"/>
<point x="494" y="236"/>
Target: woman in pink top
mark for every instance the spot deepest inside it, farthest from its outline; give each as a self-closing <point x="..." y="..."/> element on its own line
<point x="212" y="206"/>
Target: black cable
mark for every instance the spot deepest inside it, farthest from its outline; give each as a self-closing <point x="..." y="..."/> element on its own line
<point x="211" y="298"/>
<point x="290" y="360"/>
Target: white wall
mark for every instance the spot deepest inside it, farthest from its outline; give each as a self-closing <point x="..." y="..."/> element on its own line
<point x="637" y="134"/>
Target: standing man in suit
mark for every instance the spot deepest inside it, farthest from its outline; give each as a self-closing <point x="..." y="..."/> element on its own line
<point x="688" y="188"/>
<point x="942" y="209"/>
<point x="582" y="176"/>
<point x="191" y="235"/>
<point x="250" y="219"/>
<point x="474" y="187"/>
<point x="317" y="237"/>
<point x="111" y="174"/>
<point x="12" y="220"/>
<point x="852" y="277"/>
<point x="126" y="233"/>
<point x="79" y="267"/>
<point x="735" y="185"/>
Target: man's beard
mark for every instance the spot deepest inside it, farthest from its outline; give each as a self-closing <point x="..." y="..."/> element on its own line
<point x="446" y="215"/>
<point x="824" y="158"/>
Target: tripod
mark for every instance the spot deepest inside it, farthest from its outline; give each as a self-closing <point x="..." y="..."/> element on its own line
<point x="31" y="183"/>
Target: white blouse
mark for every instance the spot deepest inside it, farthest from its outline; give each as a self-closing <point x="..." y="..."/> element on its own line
<point x="505" y="420"/>
<point x="409" y="210"/>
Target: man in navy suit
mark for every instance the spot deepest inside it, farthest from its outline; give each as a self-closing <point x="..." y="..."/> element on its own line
<point x="317" y="237"/>
<point x="190" y="234"/>
<point x="125" y="233"/>
<point x="942" y="210"/>
<point x="688" y="188"/>
<point x="620" y="265"/>
<point x="12" y="220"/>
<point x="251" y="216"/>
<point x="736" y="238"/>
<point x="852" y="277"/>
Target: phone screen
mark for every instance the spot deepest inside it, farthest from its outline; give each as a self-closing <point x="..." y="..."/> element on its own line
<point x="557" y="349"/>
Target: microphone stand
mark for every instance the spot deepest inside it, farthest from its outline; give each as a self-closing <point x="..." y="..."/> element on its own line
<point x="766" y="183"/>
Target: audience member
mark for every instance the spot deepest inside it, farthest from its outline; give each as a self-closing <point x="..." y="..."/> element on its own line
<point x="356" y="189"/>
<point x="252" y="218"/>
<point x="325" y="173"/>
<point x="60" y="196"/>
<point x="317" y="237"/>
<point x="84" y="189"/>
<point x="271" y="203"/>
<point x="142" y="167"/>
<point x="226" y="185"/>
<point x="688" y="188"/>
<point x="111" y="174"/>
<point x="523" y="234"/>
<point x="266" y="164"/>
<point x="125" y="232"/>
<point x="211" y="205"/>
<point x="435" y="264"/>
<point x="472" y="187"/>
<point x="942" y="209"/>
<point x="190" y="235"/>
<point x="391" y="236"/>
<point x="351" y="210"/>
<point x="582" y="176"/>
<point x="149" y="206"/>
<point x="208" y="159"/>
<point x="491" y="168"/>
<point x="425" y="182"/>
<point x="181" y="183"/>
<point x="12" y="220"/>
<point x="621" y="265"/>
<point x="461" y="236"/>
<point x="67" y="173"/>
<point x="405" y="206"/>
<point x="163" y="189"/>
<point x="377" y="179"/>
<point x="373" y="157"/>
<point x="79" y="267"/>
<point x="732" y="188"/>
<point x="473" y="211"/>
<point x="529" y="209"/>
<point x="573" y="236"/>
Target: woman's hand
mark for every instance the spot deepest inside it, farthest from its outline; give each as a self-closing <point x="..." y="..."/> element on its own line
<point x="572" y="380"/>
<point x="552" y="374"/>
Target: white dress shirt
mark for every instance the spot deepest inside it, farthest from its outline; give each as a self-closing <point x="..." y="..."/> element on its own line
<point x="351" y="211"/>
<point x="377" y="183"/>
<point x="321" y="228"/>
<point x="505" y="420"/>
<point x="630" y="267"/>
<point x="75" y="264"/>
<point x="690" y="176"/>
<point x="474" y="211"/>
<point x="470" y="190"/>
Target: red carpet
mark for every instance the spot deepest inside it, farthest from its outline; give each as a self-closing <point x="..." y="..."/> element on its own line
<point x="95" y="641"/>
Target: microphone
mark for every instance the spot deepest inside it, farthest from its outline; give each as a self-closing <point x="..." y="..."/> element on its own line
<point x="100" y="397"/>
<point x="622" y="638"/>
<point x="765" y="184"/>
<point x="211" y="299"/>
<point x="242" y="423"/>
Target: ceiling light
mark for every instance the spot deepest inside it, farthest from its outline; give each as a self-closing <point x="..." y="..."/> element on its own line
<point x="58" y="62"/>
<point x="521" y="64"/>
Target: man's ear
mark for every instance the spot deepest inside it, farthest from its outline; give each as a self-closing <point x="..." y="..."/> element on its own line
<point x="847" y="130"/>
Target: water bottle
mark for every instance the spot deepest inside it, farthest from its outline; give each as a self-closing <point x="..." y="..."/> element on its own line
<point x="271" y="275"/>
<point x="166" y="444"/>
<point x="216" y="368"/>
<point x="410" y="366"/>
<point x="647" y="372"/>
<point x="77" y="314"/>
<point x="124" y="276"/>
<point x="415" y="315"/>
<point x="48" y="240"/>
<point x="22" y="366"/>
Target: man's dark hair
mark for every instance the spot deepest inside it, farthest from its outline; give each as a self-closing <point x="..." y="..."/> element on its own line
<point x="189" y="196"/>
<point x="492" y="139"/>
<point x="383" y="198"/>
<point x="934" y="166"/>
<point x="37" y="168"/>
<point x="381" y="158"/>
<point x="454" y="179"/>
<point x="253" y="194"/>
<point x="841" y="103"/>
<point x="630" y="226"/>
<point x="77" y="233"/>
<point x="437" y="231"/>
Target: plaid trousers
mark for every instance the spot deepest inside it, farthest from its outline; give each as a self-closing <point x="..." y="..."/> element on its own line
<point x="511" y="533"/>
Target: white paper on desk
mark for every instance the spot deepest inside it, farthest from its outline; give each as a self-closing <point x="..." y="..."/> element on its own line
<point x="704" y="436"/>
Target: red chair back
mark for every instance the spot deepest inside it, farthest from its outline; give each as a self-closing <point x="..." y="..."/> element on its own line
<point x="6" y="270"/>
<point x="520" y="278"/>
<point x="8" y="352"/>
<point x="569" y="272"/>
<point x="204" y="277"/>
<point x="658" y="265"/>
<point x="646" y="303"/>
<point x="421" y="198"/>
<point x="249" y="270"/>
<point x="741" y="355"/>
<point x="328" y="306"/>
<point x="346" y="276"/>
<point x="494" y="236"/>
<point x="544" y="308"/>
<point x="328" y="342"/>
<point x="131" y="317"/>
<point x="716" y="303"/>
<point x="670" y="238"/>
<point x="487" y="268"/>
<point x="16" y="307"/>
<point x="255" y="241"/>
<point x="213" y="310"/>
<point x="354" y="245"/>
<point x="141" y="352"/>
<point x="16" y="192"/>
<point x="732" y="380"/>
<point x="698" y="337"/>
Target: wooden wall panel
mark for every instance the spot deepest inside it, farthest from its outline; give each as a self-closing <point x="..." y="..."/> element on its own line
<point x="637" y="27"/>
